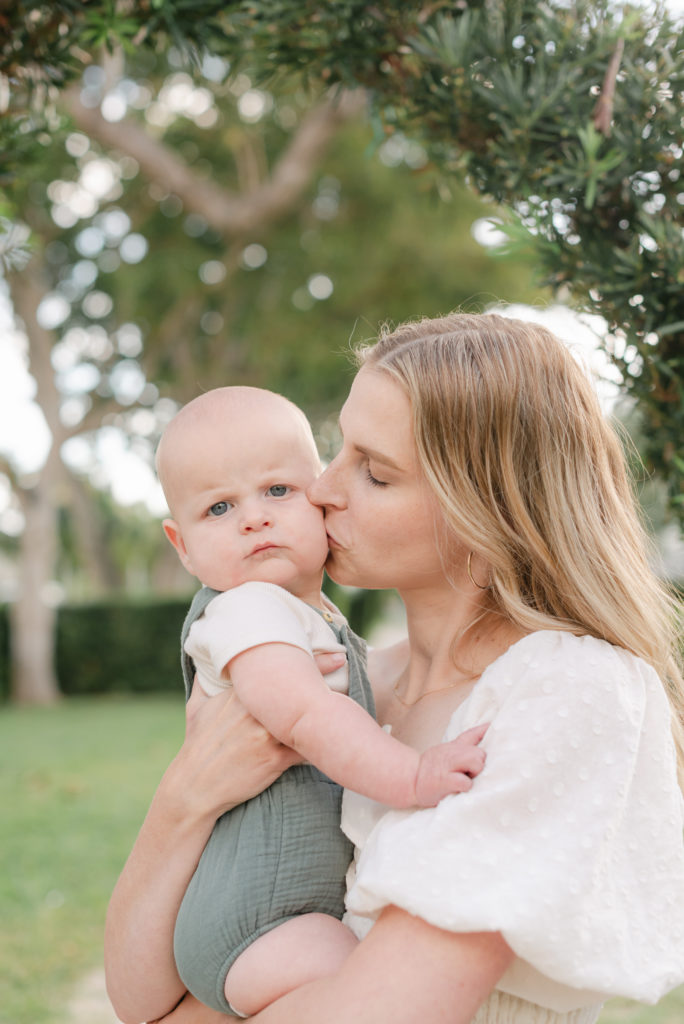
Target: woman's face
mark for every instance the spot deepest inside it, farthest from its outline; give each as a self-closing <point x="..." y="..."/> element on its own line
<point x="382" y="520"/>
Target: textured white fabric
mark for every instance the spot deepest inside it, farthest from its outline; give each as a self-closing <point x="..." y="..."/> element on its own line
<point x="259" y="613"/>
<point x="569" y="843"/>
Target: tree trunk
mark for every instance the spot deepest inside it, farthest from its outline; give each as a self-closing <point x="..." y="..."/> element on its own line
<point x="33" y="615"/>
<point x="102" y="575"/>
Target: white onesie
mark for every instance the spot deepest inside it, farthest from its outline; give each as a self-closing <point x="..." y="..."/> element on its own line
<point x="253" y="614"/>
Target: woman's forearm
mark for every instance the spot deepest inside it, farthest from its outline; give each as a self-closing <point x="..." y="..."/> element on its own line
<point x="142" y="980"/>
<point x="191" y="1011"/>
<point x="404" y="971"/>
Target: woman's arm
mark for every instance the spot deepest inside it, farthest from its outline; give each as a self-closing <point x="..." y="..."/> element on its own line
<point x="404" y="971"/>
<point x="225" y="759"/>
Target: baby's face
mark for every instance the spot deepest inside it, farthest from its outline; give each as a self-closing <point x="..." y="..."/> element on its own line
<point x="242" y="508"/>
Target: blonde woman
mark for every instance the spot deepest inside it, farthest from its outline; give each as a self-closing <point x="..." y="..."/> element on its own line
<point x="478" y="478"/>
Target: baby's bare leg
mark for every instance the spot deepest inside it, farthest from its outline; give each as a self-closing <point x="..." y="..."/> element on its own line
<point x="298" y="951"/>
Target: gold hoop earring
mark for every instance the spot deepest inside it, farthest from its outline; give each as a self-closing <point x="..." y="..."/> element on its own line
<point x="470" y="574"/>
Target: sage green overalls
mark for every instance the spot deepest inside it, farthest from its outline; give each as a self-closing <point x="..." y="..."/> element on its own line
<point x="275" y="857"/>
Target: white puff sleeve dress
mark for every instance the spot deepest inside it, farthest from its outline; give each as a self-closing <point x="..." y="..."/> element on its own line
<point x="569" y="843"/>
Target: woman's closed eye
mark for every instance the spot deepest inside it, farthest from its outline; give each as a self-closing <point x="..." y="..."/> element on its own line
<point x="374" y="480"/>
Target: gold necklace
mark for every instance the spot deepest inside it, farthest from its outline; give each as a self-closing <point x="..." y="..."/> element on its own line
<point x="442" y="689"/>
<point x="430" y="693"/>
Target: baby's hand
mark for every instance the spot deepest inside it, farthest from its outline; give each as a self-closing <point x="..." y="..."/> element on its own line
<point x="450" y="767"/>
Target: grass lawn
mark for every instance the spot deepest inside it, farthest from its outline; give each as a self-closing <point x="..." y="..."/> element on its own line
<point x="75" y="782"/>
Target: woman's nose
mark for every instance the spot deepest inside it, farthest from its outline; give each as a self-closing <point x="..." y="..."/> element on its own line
<point x="326" y="490"/>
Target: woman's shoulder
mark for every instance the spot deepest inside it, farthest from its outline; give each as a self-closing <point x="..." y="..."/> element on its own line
<point x="581" y="674"/>
<point x="569" y="653"/>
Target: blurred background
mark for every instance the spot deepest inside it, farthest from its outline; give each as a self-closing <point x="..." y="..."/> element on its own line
<point x="219" y="193"/>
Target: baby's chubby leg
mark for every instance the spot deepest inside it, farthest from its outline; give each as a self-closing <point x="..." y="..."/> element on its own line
<point x="300" y="950"/>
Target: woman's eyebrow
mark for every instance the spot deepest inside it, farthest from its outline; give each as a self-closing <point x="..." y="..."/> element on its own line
<point x="377" y="456"/>
<point x="372" y="453"/>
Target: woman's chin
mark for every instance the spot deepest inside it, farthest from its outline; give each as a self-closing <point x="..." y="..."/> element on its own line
<point x="336" y="572"/>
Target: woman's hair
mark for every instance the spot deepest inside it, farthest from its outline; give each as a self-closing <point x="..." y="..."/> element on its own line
<point x="530" y="475"/>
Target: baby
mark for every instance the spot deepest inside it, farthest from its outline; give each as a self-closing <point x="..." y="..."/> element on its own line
<point x="261" y="915"/>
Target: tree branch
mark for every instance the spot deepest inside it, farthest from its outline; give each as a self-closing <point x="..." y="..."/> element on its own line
<point x="603" y="111"/>
<point x="228" y="213"/>
<point x="92" y="420"/>
<point x="28" y="287"/>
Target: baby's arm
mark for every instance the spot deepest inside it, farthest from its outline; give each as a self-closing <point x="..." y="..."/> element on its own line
<point x="281" y="686"/>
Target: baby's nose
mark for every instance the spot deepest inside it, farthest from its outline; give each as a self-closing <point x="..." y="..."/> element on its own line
<point x="254" y="516"/>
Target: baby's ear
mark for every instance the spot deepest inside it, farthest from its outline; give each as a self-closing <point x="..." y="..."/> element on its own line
<point x="172" y="531"/>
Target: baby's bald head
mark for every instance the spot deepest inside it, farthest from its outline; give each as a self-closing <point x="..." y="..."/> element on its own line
<point x="242" y="419"/>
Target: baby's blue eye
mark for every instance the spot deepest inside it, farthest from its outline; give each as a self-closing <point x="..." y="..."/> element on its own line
<point x="219" y="509"/>
<point x="278" y="490"/>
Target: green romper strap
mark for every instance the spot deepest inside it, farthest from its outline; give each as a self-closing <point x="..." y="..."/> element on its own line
<point x="199" y="603"/>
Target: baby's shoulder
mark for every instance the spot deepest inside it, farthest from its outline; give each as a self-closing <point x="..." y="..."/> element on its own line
<point x="254" y="597"/>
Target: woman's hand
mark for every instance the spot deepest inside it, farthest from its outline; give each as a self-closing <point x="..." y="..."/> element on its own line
<point x="190" y="1011"/>
<point x="227" y="757"/>
<point x="327" y="663"/>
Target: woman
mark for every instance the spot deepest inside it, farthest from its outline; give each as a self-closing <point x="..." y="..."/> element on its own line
<point x="478" y="478"/>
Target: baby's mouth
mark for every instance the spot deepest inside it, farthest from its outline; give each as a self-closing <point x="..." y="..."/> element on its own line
<point x="261" y="548"/>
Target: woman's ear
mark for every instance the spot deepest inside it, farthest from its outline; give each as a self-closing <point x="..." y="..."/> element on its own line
<point x="172" y="531"/>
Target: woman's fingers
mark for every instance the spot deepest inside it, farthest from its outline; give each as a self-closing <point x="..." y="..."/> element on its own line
<point x="228" y="757"/>
<point x="330" y="662"/>
<point x="197" y="698"/>
<point x="190" y="1011"/>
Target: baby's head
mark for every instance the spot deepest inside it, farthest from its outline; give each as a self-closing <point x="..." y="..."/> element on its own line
<point x="235" y="465"/>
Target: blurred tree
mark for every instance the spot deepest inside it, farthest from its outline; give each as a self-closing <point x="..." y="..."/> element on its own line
<point x="190" y="230"/>
<point x="568" y="112"/>
<point x="112" y="379"/>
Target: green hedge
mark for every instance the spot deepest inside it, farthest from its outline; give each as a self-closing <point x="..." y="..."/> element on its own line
<point x="125" y="647"/>
<point x="134" y="647"/>
<point x="4" y="651"/>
